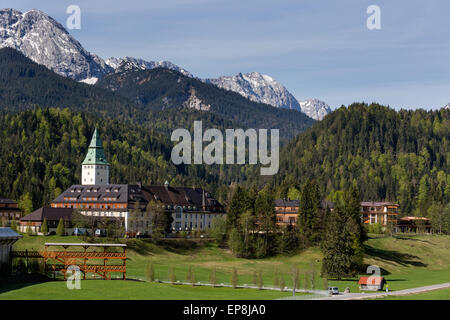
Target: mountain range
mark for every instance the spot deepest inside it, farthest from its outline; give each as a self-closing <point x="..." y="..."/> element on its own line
<point x="47" y="42"/>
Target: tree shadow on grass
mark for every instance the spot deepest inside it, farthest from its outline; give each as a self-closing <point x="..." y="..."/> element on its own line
<point x="411" y="238"/>
<point x="140" y="247"/>
<point x="15" y="283"/>
<point x="184" y="246"/>
<point x="403" y="259"/>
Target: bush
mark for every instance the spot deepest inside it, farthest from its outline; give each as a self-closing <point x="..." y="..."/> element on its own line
<point x="218" y="230"/>
<point x="376" y="228"/>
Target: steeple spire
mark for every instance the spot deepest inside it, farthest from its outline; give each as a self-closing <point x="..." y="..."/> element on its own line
<point x="95" y="154"/>
<point x="95" y="167"/>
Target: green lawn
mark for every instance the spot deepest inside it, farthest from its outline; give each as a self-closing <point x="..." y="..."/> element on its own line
<point x="406" y="261"/>
<point x="442" y="294"/>
<point x="127" y="290"/>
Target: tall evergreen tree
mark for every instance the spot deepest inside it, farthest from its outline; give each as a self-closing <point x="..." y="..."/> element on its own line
<point x="309" y="223"/>
<point x="240" y="203"/>
<point x="44" y="227"/>
<point x="60" y="230"/>
<point x="338" y="245"/>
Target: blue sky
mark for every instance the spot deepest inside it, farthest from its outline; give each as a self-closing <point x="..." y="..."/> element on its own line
<point x="316" y="48"/>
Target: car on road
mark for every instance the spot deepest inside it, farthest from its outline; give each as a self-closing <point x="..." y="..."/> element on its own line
<point x="333" y="290"/>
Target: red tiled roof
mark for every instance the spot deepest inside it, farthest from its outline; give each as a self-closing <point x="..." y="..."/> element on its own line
<point x="373" y="280"/>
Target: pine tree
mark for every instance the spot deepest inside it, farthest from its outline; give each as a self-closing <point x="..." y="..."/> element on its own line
<point x="240" y="202"/>
<point x="337" y="246"/>
<point x="60" y="230"/>
<point x="308" y="213"/>
<point x="44" y="227"/>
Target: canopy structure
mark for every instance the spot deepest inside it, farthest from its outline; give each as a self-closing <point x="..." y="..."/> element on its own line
<point x="62" y="260"/>
<point x="102" y="263"/>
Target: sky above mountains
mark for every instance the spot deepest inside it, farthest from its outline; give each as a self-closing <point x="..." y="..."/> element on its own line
<point x="319" y="49"/>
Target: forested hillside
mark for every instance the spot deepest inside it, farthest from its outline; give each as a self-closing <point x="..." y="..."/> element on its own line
<point x="25" y="85"/>
<point x="163" y="89"/>
<point x="41" y="151"/>
<point x="399" y="156"/>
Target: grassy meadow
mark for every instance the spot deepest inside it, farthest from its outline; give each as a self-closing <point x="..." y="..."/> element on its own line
<point x="406" y="261"/>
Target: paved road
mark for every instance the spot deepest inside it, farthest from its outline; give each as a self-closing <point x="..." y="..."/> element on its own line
<point x="359" y="296"/>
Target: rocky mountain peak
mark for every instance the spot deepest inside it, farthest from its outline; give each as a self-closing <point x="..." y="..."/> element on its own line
<point x="129" y="63"/>
<point x="45" y="41"/>
<point x="259" y="88"/>
<point x="315" y="108"/>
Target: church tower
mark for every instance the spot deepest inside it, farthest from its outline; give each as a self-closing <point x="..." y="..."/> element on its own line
<point x="95" y="167"/>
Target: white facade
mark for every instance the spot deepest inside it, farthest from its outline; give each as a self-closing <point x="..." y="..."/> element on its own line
<point x="94" y="174"/>
<point x="189" y="220"/>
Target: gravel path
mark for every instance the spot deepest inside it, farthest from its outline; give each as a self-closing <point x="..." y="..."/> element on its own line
<point x="359" y="296"/>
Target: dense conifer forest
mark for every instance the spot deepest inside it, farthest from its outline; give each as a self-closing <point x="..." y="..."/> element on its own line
<point x="389" y="155"/>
